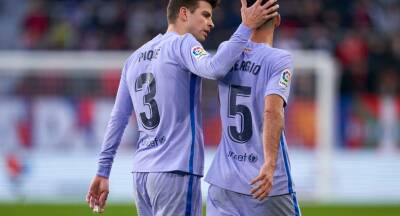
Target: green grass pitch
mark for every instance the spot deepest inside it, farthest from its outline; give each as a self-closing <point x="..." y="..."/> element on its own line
<point x="129" y="210"/>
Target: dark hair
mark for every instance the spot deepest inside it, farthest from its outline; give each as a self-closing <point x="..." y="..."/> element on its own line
<point x="251" y="2"/>
<point x="175" y="5"/>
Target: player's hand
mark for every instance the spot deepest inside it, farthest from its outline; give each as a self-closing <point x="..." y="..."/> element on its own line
<point x="97" y="194"/>
<point x="254" y="16"/>
<point x="263" y="182"/>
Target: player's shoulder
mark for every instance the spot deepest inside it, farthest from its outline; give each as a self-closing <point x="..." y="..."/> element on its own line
<point x="134" y="55"/>
<point x="131" y="58"/>
<point x="273" y="54"/>
<point x="174" y="41"/>
<point x="188" y="36"/>
<point x="150" y="43"/>
<point x="282" y="53"/>
<point x="188" y="43"/>
<point x="188" y="39"/>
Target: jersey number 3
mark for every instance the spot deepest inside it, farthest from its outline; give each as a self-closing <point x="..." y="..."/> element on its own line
<point x="148" y="100"/>
<point x="237" y="135"/>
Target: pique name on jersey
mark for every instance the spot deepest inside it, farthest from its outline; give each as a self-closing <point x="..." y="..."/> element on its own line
<point x="149" y="55"/>
<point x="251" y="158"/>
<point x="247" y="66"/>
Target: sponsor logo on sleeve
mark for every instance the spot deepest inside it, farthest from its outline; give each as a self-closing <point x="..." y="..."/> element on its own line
<point x="198" y="52"/>
<point x="286" y="76"/>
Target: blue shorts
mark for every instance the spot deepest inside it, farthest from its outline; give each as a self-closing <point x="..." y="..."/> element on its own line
<point x="221" y="202"/>
<point x="167" y="194"/>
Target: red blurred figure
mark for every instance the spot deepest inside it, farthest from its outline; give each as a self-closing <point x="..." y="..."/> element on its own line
<point x="16" y="170"/>
<point x="36" y="25"/>
<point x="14" y="166"/>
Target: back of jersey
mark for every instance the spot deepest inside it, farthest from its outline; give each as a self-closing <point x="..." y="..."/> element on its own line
<point x="261" y="71"/>
<point x="165" y="97"/>
<point x="160" y="82"/>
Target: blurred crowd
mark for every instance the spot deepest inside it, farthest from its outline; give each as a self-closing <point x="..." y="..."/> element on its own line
<point x="364" y="35"/>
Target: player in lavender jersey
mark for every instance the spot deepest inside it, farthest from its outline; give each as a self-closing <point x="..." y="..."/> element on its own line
<point x="250" y="174"/>
<point x="161" y="84"/>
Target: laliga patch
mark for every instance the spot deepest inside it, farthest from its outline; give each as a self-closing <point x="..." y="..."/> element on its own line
<point x="198" y="52"/>
<point x="285" y="78"/>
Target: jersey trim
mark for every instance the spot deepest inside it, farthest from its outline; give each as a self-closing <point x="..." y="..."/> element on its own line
<point x="296" y="205"/>
<point x="287" y="168"/>
<point x="193" y="80"/>
<point x="188" y="209"/>
<point x="285" y="159"/>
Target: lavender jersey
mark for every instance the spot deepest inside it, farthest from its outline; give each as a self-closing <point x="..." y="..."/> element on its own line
<point x="161" y="83"/>
<point x="261" y="71"/>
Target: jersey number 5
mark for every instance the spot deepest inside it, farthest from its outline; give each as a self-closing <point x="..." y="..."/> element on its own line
<point x="148" y="100"/>
<point x="237" y="135"/>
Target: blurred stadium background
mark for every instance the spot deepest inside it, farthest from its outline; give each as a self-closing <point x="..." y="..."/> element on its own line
<point x="59" y="70"/>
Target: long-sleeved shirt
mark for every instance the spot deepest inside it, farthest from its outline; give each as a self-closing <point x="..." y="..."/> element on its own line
<point x="161" y="83"/>
<point x="261" y="71"/>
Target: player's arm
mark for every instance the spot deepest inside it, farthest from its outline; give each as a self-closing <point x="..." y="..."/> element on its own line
<point x="276" y="95"/>
<point x="272" y="130"/>
<point x="98" y="190"/>
<point x="197" y="60"/>
<point x="119" y="118"/>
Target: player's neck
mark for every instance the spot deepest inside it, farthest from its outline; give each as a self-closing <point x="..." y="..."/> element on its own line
<point x="263" y="36"/>
<point x="179" y="29"/>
